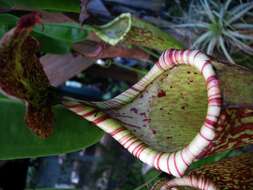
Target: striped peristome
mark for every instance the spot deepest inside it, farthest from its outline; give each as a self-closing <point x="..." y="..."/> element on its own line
<point x="234" y="173"/>
<point x="172" y="163"/>
<point x="198" y="182"/>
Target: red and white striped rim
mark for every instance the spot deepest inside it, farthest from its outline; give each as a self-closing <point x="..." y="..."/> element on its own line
<point x="200" y="183"/>
<point x="171" y="163"/>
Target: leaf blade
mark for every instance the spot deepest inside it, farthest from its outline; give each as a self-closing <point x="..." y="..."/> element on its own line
<point x="56" y="5"/>
<point x="16" y="141"/>
<point x="55" y="38"/>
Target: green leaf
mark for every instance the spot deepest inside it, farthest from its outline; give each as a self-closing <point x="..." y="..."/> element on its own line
<point x="50" y="189"/>
<point x="2" y="96"/>
<point x="8" y="19"/>
<point x="151" y="174"/>
<point x="55" y="5"/>
<point x="69" y="32"/>
<point x="5" y="4"/>
<point x="214" y="158"/>
<point x="17" y="141"/>
<point x="52" y="45"/>
<point x="149" y="178"/>
<point x="2" y="30"/>
<point x="54" y="38"/>
<point x="58" y="38"/>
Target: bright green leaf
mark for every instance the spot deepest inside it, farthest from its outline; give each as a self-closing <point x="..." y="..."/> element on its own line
<point x="2" y="96"/>
<point x="17" y="141"/>
<point x="69" y="32"/>
<point x="52" y="45"/>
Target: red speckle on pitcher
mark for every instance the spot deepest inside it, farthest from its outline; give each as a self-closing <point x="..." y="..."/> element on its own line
<point x="161" y="93"/>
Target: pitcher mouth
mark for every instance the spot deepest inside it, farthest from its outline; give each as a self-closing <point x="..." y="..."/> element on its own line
<point x="177" y="115"/>
<point x="172" y="163"/>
